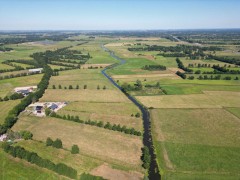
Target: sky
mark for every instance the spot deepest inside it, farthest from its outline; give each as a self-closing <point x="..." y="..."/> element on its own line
<point x="118" y="14"/>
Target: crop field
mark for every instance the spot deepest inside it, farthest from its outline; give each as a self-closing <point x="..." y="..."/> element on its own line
<point x="112" y="147"/>
<point x="5" y="107"/>
<point x="12" y="168"/>
<point x="7" y="85"/>
<point x="212" y="152"/>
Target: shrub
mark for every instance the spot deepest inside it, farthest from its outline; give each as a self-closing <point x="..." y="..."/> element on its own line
<point x="75" y="149"/>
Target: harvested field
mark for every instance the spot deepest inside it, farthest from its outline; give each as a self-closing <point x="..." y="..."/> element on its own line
<point x="115" y="113"/>
<point x="211" y="99"/>
<point x="109" y="173"/>
<point x="83" y="95"/>
<point x="90" y="77"/>
<point x="110" y="146"/>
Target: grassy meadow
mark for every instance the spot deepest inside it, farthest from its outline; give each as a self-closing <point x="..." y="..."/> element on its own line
<point x="14" y="168"/>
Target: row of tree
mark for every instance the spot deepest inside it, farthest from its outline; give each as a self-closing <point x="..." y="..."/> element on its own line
<point x="12" y="116"/>
<point x="4" y="49"/>
<point x="101" y="124"/>
<point x="224" y="70"/>
<point x="17" y="75"/>
<point x="146" y="157"/>
<point x="34" y="158"/>
<point x="14" y="96"/>
<point x="181" y="66"/>
<point x="154" y="67"/>
<point x="77" y="87"/>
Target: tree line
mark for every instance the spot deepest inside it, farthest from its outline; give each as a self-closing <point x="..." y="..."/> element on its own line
<point x="12" y="116"/>
<point x="100" y="124"/>
<point x="34" y="158"/>
<point x="154" y="67"/>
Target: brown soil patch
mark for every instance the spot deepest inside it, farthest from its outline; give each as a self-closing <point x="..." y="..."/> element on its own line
<point x="113" y="174"/>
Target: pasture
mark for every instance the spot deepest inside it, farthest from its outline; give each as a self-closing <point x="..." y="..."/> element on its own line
<point x="14" y="168"/>
<point x="98" y="55"/>
<point x="204" y="146"/>
<point x="24" y="50"/>
<point x="5" y="107"/>
<point x="210" y="99"/>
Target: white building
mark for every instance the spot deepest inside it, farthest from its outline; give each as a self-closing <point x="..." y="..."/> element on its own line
<point x="37" y="70"/>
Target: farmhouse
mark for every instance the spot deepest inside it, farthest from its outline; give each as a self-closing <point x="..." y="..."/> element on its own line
<point x="37" y="70"/>
<point x="53" y="106"/>
<point x="24" y="92"/>
<point x="38" y="109"/>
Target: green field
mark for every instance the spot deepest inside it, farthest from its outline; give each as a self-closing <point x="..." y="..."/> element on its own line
<point x="5" y="107"/>
<point x="5" y="66"/>
<point x="13" y="168"/>
<point x="24" y="50"/>
<point x="132" y="66"/>
<point x="90" y="77"/>
<point x="98" y="55"/>
<point x="211" y="152"/>
<point x="7" y="85"/>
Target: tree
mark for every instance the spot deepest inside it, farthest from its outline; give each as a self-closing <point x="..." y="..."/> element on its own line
<point x="49" y="142"/>
<point x="75" y="149"/>
<point x="26" y="135"/>
<point x="70" y="87"/>
<point x="85" y="86"/>
<point x="137" y="115"/>
<point x="77" y="87"/>
<point x="57" y="143"/>
<point x="98" y="87"/>
<point x="6" y="98"/>
<point x="53" y="86"/>
<point x="59" y="86"/>
<point x="47" y="111"/>
<point x="104" y="87"/>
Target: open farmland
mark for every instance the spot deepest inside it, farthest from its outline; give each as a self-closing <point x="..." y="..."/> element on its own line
<point x="12" y="168"/>
<point x="113" y="147"/>
<point x="210" y="99"/>
<point x="211" y="152"/>
<point x="7" y="85"/>
<point x="5" y="107"/>
<point x="90" y="77"/>
<point x="116" y="113"/>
